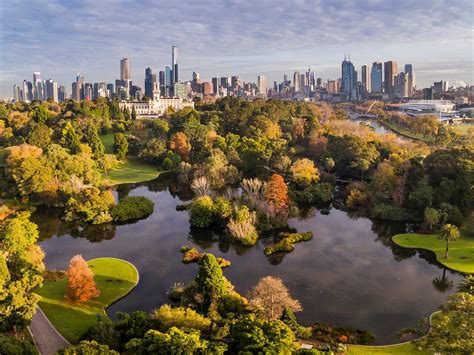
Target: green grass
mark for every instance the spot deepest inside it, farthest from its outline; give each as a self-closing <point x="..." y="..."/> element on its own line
<point x="132" y="170"/>
<point x="389" y="349"/>
<point x="108" y="141"/>
<point x="114" y="279"/>
<point x="463" y="127"/>
<point x="461" y="251"/>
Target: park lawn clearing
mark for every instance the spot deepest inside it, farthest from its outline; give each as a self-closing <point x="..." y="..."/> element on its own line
<point x="405" y="348"/>
<point x="405" y="132"/>
<point x="461" y="251"/>
<point x="131" y="171"/>
<point x="114" y="278"/>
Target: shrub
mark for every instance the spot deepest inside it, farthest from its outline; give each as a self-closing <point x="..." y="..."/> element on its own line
<point x="222" y="208"/>
<point x="388" y="212"/>
<point x="287" y="243"/>
<point x="132" y="208"/>
<point x="87" y="348"/>
<point x="242" y="226"/>
<point x="201" y="212"/>
<point x="14" y="346"/>
<point x="191" y="255"/>
<point x="313" y="194"/>
<point x="166" y="317"/>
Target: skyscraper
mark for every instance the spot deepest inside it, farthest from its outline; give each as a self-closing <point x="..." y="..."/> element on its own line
<point x="26" y="91"/>
<point x="390" y="72"/>
<point x="162" y="80"/>
<point x="365" y="78"/>
<point x="150" y="81"/>
<point x="411" y="79"/>
<point x="16" y="93"/>
<point x="215" y="85"/>
<point x="38" y="86"/>
<point x="174" y="63"/>
<point x="77" y="89"/>
<point x="376" y="78"/>
<point x="348" y="79"/>
<point x="62" y="93"/>
<point x="401" y="85"/>
<point x="51" y="91"/>
<point x="169" y="81"/>
<point x="296" y="82"/>
<point x="125" y="69"/>
<point x="262" y="85"/>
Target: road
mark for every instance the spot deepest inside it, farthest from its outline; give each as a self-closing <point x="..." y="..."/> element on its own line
<point x="47" y="338"/>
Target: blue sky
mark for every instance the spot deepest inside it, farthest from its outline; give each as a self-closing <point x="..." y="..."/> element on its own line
<point x="246" y="38"/>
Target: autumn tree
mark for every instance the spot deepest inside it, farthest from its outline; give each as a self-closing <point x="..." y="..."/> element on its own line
<point x="80" y="281"/>
<point x="270" y="296"/>
<point x="304" y="172"/>
<point x="276" y="193"/>
<point x="449" y="233"/>
<point x="179" y="144"/>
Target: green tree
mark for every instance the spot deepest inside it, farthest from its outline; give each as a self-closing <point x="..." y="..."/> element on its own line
<point x="96" y="145"/>
<point x="40" y="135"/>
<point x="10" y="345"/>
<point x="134" y="113"/>
<point x="120" y="145"/>
<point x="452" y="332"/>
<point x="41" y="114"/>
<point x="210" y="281"/>
<point x="70" y="138"/>
<point x="449" y="233"/>
<point x="86" y="347"/>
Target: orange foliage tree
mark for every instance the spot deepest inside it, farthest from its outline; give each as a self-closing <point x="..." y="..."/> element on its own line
<point x="276" y="193"/>
<point x="80" y="281"/>
<point x="179" y="144"/>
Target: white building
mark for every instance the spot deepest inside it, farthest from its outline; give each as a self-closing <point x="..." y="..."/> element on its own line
<point x="156" y="106"/>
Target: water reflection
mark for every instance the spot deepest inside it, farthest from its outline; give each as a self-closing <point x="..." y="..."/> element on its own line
<point x="349" y="274"/>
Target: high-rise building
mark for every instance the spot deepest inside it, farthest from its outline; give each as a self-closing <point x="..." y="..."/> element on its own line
<point x="296" y="82"/>
<point x="125" y="69"/>
<point x="174" y="63"/>
<point x="27" y="91"/>
<point x="110" y="90"/>
<point x="401" y="85"/>
<point x="62" y="96"/>
<point x="51" y="90"/>
<point x="234" y="81"/>
<point x="162" y="81"/>
<point x="262" y="85"/>
<point x="390" y="72"/>
<point x="150" y="82"/>
<point x="169" y="81"/>
<point x="38" y="86"/>
<point x="215" y="85"/>
<point x="16" y="93"/>
<point x="319" y="82"/>
<point x="77" y="89"/>
<point x="411" y="79"/>
<point x="348" y="79"/>
<point x="440" y="86"/>
<point x="376" y="78"/>
<point x="333" y="86"/>
<point x="365" y="78"/>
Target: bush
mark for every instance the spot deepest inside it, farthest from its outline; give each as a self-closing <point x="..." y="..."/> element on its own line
<point x="287" y="243"/>
<point x="166" y="317"/>
<point x="87" y="348"/>
<point x="201" y="212"/>
<point x="313" y="194"/>
<point x="388" y="212"/>
<point x="451" y="214"/>
<point x="132" y="208"/>
<point x="14" y="346"/>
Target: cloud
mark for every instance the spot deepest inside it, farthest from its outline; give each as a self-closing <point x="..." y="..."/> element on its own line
<point x="230" y="36"/>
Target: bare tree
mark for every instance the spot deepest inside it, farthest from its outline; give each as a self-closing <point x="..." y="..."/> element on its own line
<point x="270" y="296"/>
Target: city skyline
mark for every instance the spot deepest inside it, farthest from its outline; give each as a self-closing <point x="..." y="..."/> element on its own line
<point x="214" y="43"/>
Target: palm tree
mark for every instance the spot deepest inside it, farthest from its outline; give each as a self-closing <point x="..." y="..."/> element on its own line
<point x="442" y="283"/>
<point x="449" y="233"/>
<point x="467" y="285"/>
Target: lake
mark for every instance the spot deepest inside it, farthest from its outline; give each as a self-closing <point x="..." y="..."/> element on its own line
<point x="349" y="274"/>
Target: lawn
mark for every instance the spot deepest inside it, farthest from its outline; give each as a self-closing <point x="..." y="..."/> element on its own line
<point x="407" y="349"/>
<point x="461" y="252"/>
<point x="131" y="171"/>
<point x="463" y="127"/>
<point x="114" y="278"/>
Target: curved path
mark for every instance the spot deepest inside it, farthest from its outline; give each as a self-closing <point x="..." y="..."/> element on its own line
<point x="46" y="337"/>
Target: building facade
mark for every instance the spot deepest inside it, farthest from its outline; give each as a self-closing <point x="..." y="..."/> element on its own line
<point x="156" y="106"/>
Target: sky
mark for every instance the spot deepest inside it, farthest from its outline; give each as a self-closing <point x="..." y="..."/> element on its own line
<point x="224" y="38"/>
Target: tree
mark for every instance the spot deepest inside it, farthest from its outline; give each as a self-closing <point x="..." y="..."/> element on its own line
<point x="21" y="268"/>
<point x="95" y="143"/>
<point x="452" y="331"/>
<point x="210" y="281"/>
<point x="288" y="317"/>
<point x="276" y="192"/>
<point x="179" y="143"/>
<point x="270" y="296"/>
<point x="40" y="135"/>
<point x="10" y="345"/>
<point x="134" y="113"/>
<point x="449" y="233"/>
<point x="86" y="347"/>
<point x="120" y="145"/>
<point x="180" y="317"/>
<point x="304" y="172"/>
<point x="153" y="151"/>
<point x="201" y="212"/>
<point x="80" y="281"/>
<point x="70" y="138"/>
<point x="431" y="217"/>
